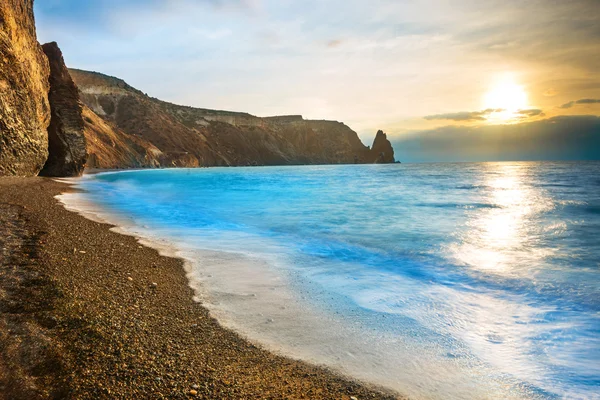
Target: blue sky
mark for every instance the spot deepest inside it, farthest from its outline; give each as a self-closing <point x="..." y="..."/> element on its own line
<point x="377" y="64"/>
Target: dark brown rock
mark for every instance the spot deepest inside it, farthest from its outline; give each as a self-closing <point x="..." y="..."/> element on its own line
<point x="382" y="151"/>
<point x="24" y="109"/>
<point x="67" y="152"/>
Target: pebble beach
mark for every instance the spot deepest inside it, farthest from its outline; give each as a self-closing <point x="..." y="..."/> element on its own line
<point x="88" y="313"/>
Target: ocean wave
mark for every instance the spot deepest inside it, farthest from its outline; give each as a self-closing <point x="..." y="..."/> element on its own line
<point x="471" y="187"/>
<point x="464" y="206"/>
<point x="394" y="269"/>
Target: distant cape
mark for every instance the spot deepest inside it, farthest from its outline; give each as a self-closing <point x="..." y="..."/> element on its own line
<point x="169" y="135"/>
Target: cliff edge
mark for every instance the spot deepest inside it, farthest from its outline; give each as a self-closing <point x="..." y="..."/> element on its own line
<point x="191" y="137"/>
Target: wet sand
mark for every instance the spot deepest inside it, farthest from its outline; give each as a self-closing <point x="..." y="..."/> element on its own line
<point x="88" y="313"/>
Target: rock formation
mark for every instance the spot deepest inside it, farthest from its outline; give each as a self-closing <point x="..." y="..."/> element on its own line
<point x="24" y="109"/>
<point x="382" y="149"/>
<point x="189" y="137"/>
<point x="67" y="152"/>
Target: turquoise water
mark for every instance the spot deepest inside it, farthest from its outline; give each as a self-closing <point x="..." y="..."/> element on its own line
<point x="473" y="280"/>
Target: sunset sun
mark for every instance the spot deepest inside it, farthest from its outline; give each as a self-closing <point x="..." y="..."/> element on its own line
<point x="505" y="95"/>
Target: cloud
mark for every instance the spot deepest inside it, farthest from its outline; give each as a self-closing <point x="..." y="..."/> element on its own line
<point x="550" y="92"/>
<point x="271" y="56"/>
<point x="560" y="34"/>
<point x="464" y="115"/>
<point x="99" y="14"/>
<point x="580" y="101"/>
<point x="470" y="116"/>
<point x="533" y="112"/>
<point x="558" y="138"/>
<point x="588" y="101"/>
<point x="335" y="43"/>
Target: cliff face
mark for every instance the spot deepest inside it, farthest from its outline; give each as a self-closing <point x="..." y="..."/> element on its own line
<point x="188" y="137"/>
<point x="66" y="140"/>
<point x="111" y="148"/>
<point x="24" y="108"/>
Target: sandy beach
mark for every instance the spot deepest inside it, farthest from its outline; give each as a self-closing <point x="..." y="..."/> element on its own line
<point x="88" y="313"/>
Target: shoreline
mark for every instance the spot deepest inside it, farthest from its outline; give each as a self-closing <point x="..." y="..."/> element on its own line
<point x="251" y="297"/>
<point x="103" y="329"/>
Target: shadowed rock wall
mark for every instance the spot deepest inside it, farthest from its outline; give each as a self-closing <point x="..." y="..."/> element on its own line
<point x="66" y="140"/>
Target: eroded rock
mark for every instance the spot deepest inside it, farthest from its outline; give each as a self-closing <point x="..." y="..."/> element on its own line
<point x="67" y="152"/>
<point x="24" y="108"/>
<point x="382" y="151"/>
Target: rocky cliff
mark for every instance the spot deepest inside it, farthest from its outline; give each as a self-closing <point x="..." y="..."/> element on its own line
<point x="44" y="128"/>
<point x="67" y="152"/>
<point x="111" y="148"/>
<point x="24" y="108"/>
<point x="189" y="137"/>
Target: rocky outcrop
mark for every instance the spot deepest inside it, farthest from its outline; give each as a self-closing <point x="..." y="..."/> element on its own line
<point x="67" y="152"/>
<point x="190" y="137"/>
<point x="382" y="151"/>
<point x="24" y="108"/>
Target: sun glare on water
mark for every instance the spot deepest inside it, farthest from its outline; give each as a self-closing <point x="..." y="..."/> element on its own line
<point x="507" y="98"/>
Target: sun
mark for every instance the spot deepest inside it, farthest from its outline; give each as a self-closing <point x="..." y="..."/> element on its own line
<point x="507" y="95"/>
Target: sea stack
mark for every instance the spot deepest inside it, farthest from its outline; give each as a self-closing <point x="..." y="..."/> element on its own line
<point x="382" y="150"/>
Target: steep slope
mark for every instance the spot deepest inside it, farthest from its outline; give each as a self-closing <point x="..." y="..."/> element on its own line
<point x="24" y="109"/>
<point x="110" y="148"/>
<point x="66" y="140"/>
<point x="189" y="136"/>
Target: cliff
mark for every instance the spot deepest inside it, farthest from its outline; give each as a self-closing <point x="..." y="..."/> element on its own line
<point x="67" y="153"/>
<point x="111" y="148"/>
<point x="24" y="108"/>
<point x="189" y="137"/>
<point x="55" y="121"/>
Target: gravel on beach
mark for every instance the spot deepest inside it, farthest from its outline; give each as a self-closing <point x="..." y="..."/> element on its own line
<point x="88" y="313"/>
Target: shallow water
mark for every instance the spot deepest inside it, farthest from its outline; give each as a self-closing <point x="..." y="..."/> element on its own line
<point x="477" y="280"/>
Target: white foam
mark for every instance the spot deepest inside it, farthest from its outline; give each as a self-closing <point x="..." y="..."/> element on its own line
<point x="255" y="296"/>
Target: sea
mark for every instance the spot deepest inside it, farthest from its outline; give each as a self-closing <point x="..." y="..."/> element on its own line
<point x="437" y="281"/>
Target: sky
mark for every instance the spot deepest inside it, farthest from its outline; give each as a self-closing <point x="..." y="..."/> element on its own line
<point x="408" y="67"/>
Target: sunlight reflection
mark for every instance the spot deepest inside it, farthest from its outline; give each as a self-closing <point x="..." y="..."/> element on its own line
<point x="500" y="238"/>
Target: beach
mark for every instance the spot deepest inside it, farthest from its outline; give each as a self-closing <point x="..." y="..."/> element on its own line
<point x="89" y="313"/>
